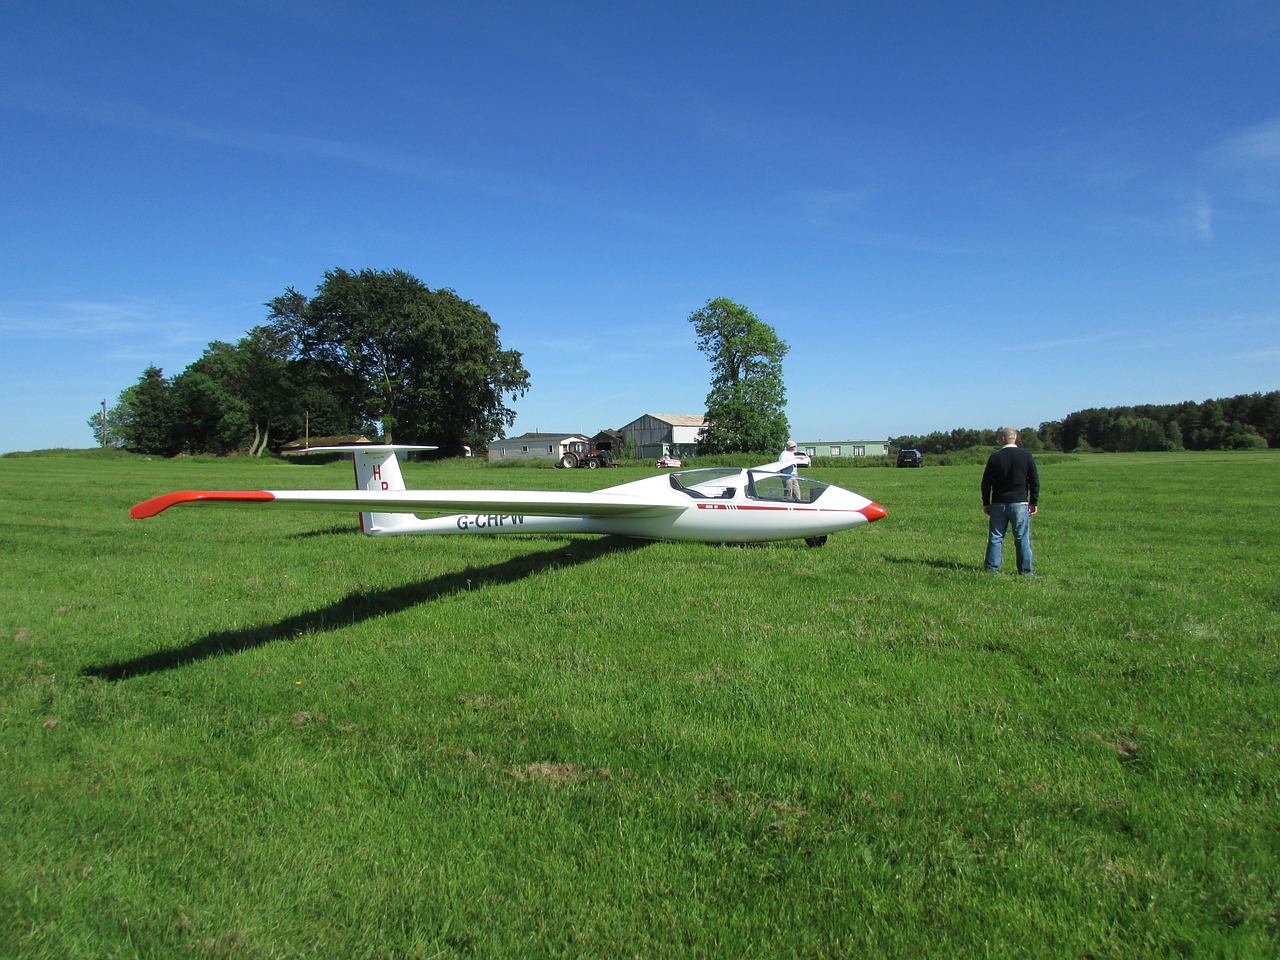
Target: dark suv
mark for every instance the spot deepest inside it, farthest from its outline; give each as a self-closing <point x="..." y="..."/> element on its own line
<point x="910" y="458"/>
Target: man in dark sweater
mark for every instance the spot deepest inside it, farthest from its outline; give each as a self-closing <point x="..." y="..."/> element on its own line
<point x="1010" y="494"/>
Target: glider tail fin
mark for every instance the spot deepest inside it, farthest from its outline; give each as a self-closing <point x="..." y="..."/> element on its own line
<point x="378" y="469"/>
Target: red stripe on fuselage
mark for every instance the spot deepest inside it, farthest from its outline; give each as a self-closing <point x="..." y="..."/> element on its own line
<point x="756" y="506"/>
<point x="872" y="511"/>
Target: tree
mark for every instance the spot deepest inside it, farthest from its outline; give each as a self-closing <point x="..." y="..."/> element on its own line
<point x="1051" y="433"/>
<point x="212" y="417"/>
<point x="250" y="396"/>
<point x="1135" y="433"/>
<point x="1029" y="439"/>
<point x="1213" y="427"/>
<point x="261" y="376"/>
<point x="209" y="420"/>
<point x="105" y="424"/>
<point x="324" y="401"/>
<point x="1242" y="436"/>
<point x="1258" y="410"/>
<point x="745" y="408"/>
<point x="425" y="363"/>
<point x="1087" y="429"/>
<point x="145" y="413"/>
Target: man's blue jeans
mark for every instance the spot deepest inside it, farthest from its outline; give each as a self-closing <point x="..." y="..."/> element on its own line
<point x="1003" y="514"/>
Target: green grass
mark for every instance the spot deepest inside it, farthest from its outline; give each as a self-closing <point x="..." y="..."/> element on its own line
<point x="252" y="734"/>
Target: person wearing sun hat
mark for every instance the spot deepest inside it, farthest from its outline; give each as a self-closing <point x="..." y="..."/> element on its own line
<point x="790" y="471"/>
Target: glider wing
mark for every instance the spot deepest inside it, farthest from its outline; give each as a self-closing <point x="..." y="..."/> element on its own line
<point x="430" y="502"/>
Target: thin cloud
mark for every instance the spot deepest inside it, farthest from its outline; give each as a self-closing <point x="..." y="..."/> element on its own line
<point x="124" y="114"/>
<point x="823" y="207"/>
<point x="1065" y="342"/>
<point x="1202" y="216"/>
<point x="566" y="345"/>
<point x="1258" y="144"/>
<point x="381" y="158"/>
<point x="90" y="320"/>
<point x="1249" y="160"/>
<point x="1265" y="355"/>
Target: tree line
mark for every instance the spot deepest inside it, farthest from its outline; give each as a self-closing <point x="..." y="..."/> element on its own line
<point x="1244" y="422"/>
<point x="380" y="354"/>
<point x="372" y="352"/>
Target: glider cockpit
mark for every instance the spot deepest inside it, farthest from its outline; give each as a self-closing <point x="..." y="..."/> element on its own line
<point x="722" y="483"/>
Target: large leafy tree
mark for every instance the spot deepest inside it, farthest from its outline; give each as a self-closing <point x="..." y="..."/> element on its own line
<point x="250" y="396"/>
<point x="232" y="397"/>
<point x="214" y="417"/>
<point x="263" y="377"/>
<point x="425" y="363"/>
<point x="324" y="401"/>
<point x="747" y="402"/>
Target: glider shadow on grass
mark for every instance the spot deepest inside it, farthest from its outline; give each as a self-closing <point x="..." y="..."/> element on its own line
<point x="364" y="605"/>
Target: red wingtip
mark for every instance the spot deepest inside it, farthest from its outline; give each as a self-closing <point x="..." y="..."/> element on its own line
<point x="873" y="512"/>
<point x="150" y="508"/>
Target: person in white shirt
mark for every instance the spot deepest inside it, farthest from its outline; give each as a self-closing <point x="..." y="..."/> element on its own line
<point x="791" y="472"/>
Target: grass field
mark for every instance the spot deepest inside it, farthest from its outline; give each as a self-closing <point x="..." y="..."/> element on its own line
<point x="257" y="734"/>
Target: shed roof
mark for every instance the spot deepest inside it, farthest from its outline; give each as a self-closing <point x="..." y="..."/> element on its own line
<point x="680" y="419"/>
<point x="540" y="436"/>
<point x="301" y="446"/>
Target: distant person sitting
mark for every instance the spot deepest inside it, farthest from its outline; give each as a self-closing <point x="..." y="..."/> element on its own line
<point x="790" y="472"/>
<point x="1010" y="493"/>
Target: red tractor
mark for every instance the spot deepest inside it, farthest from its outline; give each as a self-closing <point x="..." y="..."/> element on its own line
<point x="580" y="455"/>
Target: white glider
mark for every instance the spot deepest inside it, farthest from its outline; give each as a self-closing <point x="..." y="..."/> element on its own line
<point x="711" y="505"/>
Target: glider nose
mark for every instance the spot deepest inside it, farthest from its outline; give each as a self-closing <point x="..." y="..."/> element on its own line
<point x="873" y="512"/>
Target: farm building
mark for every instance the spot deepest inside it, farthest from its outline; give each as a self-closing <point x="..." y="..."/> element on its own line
<point x="657" y="434"/>
<point x="301" y="448"/>
<point x="844" y="448"/>
<point x="534" y="446"/>
<point x="610" y="440"/>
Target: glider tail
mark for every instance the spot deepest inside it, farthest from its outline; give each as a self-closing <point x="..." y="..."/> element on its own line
<point x="378" y="469"/>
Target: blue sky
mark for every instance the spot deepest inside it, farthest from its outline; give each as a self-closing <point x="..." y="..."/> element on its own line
<point x="956" y="215"/>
